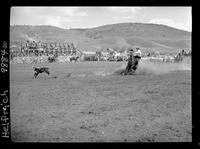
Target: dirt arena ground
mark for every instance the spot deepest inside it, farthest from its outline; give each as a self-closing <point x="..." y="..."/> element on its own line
<point x="91" y="102"/>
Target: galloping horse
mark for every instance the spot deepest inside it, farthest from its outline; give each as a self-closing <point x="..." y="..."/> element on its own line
<point x="132" y="65"/>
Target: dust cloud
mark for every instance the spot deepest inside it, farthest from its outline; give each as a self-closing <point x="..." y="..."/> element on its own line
<point x="147" y="67"/>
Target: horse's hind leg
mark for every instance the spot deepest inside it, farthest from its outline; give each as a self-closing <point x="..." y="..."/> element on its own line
<point x="35" y="74"/>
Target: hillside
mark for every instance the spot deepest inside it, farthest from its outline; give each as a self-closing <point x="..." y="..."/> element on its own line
<point x="137" y="30"/>
<point x="149" y="37"/>
<point x="39" y="33"/>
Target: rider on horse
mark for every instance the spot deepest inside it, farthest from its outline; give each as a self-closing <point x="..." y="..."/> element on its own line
<point x="133" y="61"/>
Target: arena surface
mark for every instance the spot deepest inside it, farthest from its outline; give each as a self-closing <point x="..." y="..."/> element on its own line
<point x="92" y="102"/>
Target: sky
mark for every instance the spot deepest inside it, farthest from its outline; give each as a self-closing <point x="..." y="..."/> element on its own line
<point x="88" y="17"/>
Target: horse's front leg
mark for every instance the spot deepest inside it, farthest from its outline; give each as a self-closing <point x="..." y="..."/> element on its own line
<point x="35" y="74"/>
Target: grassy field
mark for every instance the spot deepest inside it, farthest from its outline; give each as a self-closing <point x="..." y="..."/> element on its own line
<point x="91" y="102"/>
